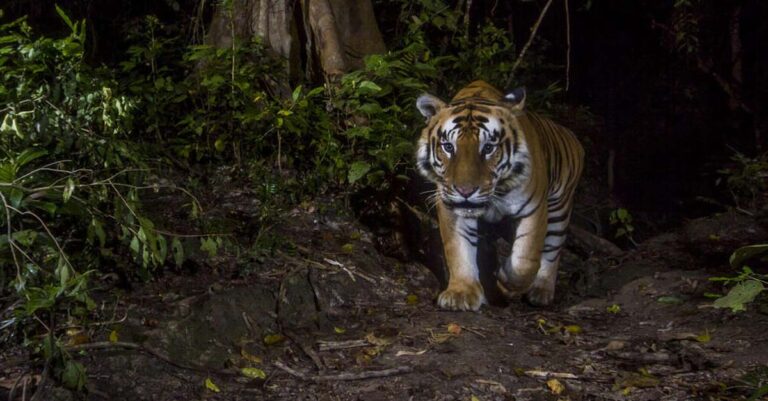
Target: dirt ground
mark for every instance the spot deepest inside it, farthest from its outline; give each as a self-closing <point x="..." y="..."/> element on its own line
<point x="327" y="317"/>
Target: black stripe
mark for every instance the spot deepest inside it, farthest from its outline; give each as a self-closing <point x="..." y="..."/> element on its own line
<point x="551" y="248"/>
<point x="529" y="213"/>
<point x="516" y="145"/>
<point x="469" y="239"/>
<point x="524" y="205"/>
<point x="557" y="219"/>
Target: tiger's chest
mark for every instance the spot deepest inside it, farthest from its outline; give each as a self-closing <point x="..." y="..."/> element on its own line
<point x="516" y="203"/>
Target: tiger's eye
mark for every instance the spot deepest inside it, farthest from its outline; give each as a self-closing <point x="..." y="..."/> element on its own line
<point x="488" y="148"/>
<point x="448" y="147"/>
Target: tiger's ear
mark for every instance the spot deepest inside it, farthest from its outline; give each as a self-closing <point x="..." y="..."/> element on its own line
<point x="429" y="105"/>
<point x="516" y="98"/>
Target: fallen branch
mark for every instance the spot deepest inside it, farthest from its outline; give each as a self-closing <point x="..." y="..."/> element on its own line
<point x="550" y="375"/>
<point x="566" y="376"/>
<point x="337" y="345"/>
<point x="306" y="348"/>
<point x="591" y="243"/>
<point x="655" y="357"/>
<point x="344" y="376"/>
<point x="106" y="345"/>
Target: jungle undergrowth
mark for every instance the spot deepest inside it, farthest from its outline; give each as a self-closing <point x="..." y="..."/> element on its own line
<point x="83" y="146"/>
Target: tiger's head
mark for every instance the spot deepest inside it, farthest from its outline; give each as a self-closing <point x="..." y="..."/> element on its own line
<point x="473" y="147"/>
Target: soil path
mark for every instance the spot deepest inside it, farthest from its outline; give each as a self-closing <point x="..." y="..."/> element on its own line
<point x="328" y="307"/>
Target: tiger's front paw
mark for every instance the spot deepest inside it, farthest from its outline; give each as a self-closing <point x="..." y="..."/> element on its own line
<point x="540" y="296"/>
<point x="512" y="285"/>
<point x="462" y="297"/>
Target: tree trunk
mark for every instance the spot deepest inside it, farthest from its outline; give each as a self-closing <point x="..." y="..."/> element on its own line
<point x="318" y="38"/>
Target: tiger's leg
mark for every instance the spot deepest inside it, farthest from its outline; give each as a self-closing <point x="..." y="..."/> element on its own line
<point x="460" y="239"/>
<point x="520" y="270"/>
<point x="542" y="291"/>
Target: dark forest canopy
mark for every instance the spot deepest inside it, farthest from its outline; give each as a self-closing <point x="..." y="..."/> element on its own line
<point x="661" y="75"/>
<point x="143" y="140"/>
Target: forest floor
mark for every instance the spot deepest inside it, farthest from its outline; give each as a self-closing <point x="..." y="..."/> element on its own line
<point x="325" y="316"/>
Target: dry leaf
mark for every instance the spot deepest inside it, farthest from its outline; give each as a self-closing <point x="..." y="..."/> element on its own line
<point x="210" y="385"/>
<point x="371" y="338"/>
<point x="704" y="337"/>
<point x="555" y="386"/>
<point x="253" y="373"/>
<point x="439" y="338"/>
<point x="573" y="329"/>
<point x="78" y="338"/>
<point x="249" y="357"/>
<point x="412" y="299"/>
<point x="113" y="336"/>
<point x="454" y="329"/>
<point x="273" y="339"/>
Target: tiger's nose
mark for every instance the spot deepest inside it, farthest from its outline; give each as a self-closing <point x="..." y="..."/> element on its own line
<point x="465" y="190"/>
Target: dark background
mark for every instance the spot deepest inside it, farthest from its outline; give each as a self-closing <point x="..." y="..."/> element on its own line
<point x="668" y="122"/>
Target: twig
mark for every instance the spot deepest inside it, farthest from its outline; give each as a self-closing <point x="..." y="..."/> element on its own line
<point x="568" y="46"/>
<point x="567" y="376"/>
<point x="530" y="40"/>
<point x="547" y="375"/>
<point x="10" y="235"/>
<point x="345" y="376"/>
<point x="474" y="331"/>
<point x="336" y="345"/>
<point x="418" y="213"/>
<point x="307" y="349"/>
<point x="12" y="392"/>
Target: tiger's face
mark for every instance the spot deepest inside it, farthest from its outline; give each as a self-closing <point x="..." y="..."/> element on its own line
<point x="471" y="150"/>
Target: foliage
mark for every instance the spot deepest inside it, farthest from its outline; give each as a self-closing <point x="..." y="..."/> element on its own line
<point x="71" y="179"/>
<point x="82" y="145"/>
<point x="487" y="54"/>
<point x="622" y="220"/>
<point x="746" y="179"/>
<point x="747" y="285"/>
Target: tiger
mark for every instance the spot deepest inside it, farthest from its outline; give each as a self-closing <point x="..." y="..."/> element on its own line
<point x="490" y="158"/>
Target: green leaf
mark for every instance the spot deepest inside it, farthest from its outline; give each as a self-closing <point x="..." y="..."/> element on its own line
<point x="65" y="17"/>
<point x="68" y="190"/>
<point x="669" y="300"/>
<point x="358" y="132"/>
<point x="7" y="172"/>
<point x="315" y="91"/>
<point x="370" y="108"/>
<point x="296" y="93"/>
<point x="742" y="293"/>
<point x="178" y="251"/>
<point x="368" y="87"/>
<point x="135" y="244"/>
<point x="96" y="229"/>
<point x="29" y="155"/>
<point x="73" y="376"/>
<point x="219" y="144"/>
<point x="25" y="237"/>
<point x="745" y="253"/>
<point x="357" y="170"/>
<point x="16" y="197"/>
<point x="209" y="245"/>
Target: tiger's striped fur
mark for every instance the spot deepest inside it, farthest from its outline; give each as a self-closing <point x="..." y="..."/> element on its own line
<point x="490" y="158"/>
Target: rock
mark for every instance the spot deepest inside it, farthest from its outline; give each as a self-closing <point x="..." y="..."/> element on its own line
<point x="712" y="239"/>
